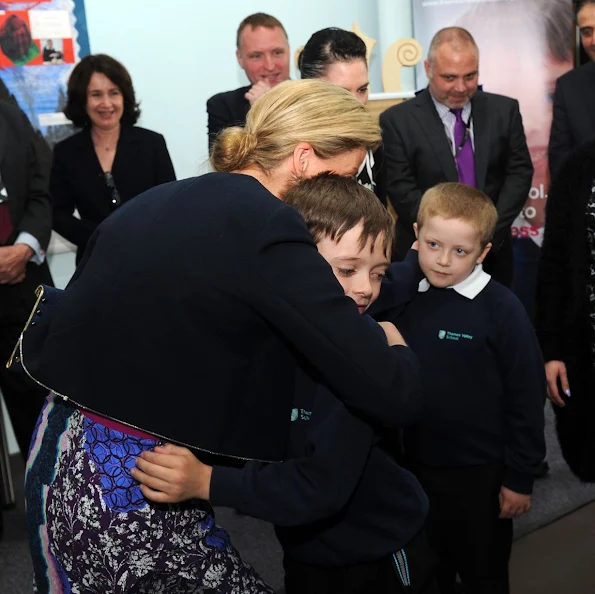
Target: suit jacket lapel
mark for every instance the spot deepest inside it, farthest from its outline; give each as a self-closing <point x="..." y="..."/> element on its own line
<point x="124" y="151"/>
<point x="433" y="128"/>
<point x="3" y="141"/>
<point x="479" y="113"/>
<point x="89" y="160"/>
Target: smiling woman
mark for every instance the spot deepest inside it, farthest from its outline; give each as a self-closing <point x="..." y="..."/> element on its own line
<point x="339" y="57"/>
<point x="111" y="160"/>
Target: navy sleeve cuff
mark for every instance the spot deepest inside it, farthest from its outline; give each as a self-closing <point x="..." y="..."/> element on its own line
<point x="519" y="482"/>
<point x="226" y="486"/>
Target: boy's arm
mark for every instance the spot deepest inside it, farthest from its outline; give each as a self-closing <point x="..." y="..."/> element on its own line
<point x="298" y="491"/>
<point x="305" y="304"/>
<point x="524" y="386"/>
<point x="398" y="288"/>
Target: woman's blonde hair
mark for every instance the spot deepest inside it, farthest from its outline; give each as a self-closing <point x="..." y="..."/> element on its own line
<point x="325" y="116"/>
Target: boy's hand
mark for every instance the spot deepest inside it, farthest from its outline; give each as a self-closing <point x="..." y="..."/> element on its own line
<point x="513" y="505"/>
<point x="553" y="371"/>
<point x="415" y="245"/>
<point x="393" y="336"/>
<point x="171" y="474"/>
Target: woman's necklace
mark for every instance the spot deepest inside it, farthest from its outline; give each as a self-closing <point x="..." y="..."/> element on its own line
<point x="106" y="144"/>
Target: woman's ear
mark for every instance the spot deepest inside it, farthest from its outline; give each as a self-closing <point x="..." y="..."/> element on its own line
<point x="302" y="155"/>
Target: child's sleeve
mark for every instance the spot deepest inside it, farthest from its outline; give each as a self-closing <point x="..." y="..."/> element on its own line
<point x="524" y="385"/>
<point x="301" y="490"/>
<point x="398" y="288"/>
<point x="295" y="291"/>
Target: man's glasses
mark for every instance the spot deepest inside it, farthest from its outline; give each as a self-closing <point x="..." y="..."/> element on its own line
<point x="111" y="184"/>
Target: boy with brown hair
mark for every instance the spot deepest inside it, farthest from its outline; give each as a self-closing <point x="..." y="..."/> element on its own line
<point x="477" y="448"/>
<point x="348" y="516"/>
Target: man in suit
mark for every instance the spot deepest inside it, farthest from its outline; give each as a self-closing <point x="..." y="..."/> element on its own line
<point x="263" y="53"/>
<point x="573" y="121"/>
<point x="453" y="132"/>
<point x="25" y="228"/>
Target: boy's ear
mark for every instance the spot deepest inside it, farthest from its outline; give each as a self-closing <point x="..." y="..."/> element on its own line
<point x="486" y="249"/>
<point x="415" y="230"/>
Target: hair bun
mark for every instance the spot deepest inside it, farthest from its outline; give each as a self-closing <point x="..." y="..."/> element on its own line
<point x="233" y="149"/>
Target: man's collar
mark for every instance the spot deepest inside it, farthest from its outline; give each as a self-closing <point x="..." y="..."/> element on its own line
<point x="471" y="287"/>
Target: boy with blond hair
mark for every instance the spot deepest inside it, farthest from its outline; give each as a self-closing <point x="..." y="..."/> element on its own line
<point x="477" y="448"/>
<point x="349" y="518"/>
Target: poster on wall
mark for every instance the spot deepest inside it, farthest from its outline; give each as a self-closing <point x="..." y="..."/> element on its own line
<point x="40" y="42"/>
<point x="524" y="46"/>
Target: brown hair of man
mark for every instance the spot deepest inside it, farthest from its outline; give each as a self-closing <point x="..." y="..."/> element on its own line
<point x="452" y="200"/>
<point x="332" y="205"/>
<point x="460" y="39"/>
<point x="259" y="19"/>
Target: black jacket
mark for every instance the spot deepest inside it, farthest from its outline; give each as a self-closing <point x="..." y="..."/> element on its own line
<point x="418" y="156"/>
<point x="77" y="182"/>
<point x="340" y="498"/>
<point x="227" y="109"/>
<point x="25" y="176"/>
<point x="562" y="307"/>
<point x="187" y="314"/>
<point x="573" y="122"/>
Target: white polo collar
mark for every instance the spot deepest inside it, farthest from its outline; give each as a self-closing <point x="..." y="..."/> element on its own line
<point x="471" y="287"/>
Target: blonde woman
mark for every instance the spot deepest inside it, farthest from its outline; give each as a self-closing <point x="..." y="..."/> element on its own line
<point x="186" y="321"/>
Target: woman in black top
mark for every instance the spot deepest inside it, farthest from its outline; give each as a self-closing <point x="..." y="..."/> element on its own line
<point x="565" y="308"/>
<point x="339" y="57"/>
<point x="110" y="160"/>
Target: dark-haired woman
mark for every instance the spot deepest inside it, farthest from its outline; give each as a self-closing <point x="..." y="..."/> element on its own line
<point x="110" y="160"/>
<point x="339" y="57"/>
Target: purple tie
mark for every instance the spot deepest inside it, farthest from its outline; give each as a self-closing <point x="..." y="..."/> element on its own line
<point x="464" y="154"/>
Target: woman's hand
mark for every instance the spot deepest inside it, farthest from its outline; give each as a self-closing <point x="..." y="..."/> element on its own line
<point x="171" y="474"/>
<point x="393" y="336"/>
<point x="553" y="371"/>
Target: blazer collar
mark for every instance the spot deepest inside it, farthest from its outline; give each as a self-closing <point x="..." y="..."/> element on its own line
<point x="3" y="136"/>
<point x="481" y="136"/>
<point x="433" y="128"/>
<point x="125" y="146"/>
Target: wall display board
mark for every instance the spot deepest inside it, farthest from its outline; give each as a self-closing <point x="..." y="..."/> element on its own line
<point x="40" y="42"/>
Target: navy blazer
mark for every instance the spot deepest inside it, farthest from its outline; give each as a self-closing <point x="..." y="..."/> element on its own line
<point x="142" y="161"/>
<point x="190" y="310"/>
<point x="573" y="123"/>
<point x="418" y="156"/>
<point x="227" y="109"/>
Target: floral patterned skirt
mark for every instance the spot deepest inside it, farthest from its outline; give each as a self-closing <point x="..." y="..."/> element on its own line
<point x="92" y="531"/>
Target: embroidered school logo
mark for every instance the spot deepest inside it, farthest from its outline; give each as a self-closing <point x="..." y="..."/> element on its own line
<point x="448" y="335"/>
<point x="300" y="413"/>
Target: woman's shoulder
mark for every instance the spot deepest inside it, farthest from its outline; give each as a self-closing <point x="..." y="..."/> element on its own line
<point x="144" y="134"/>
